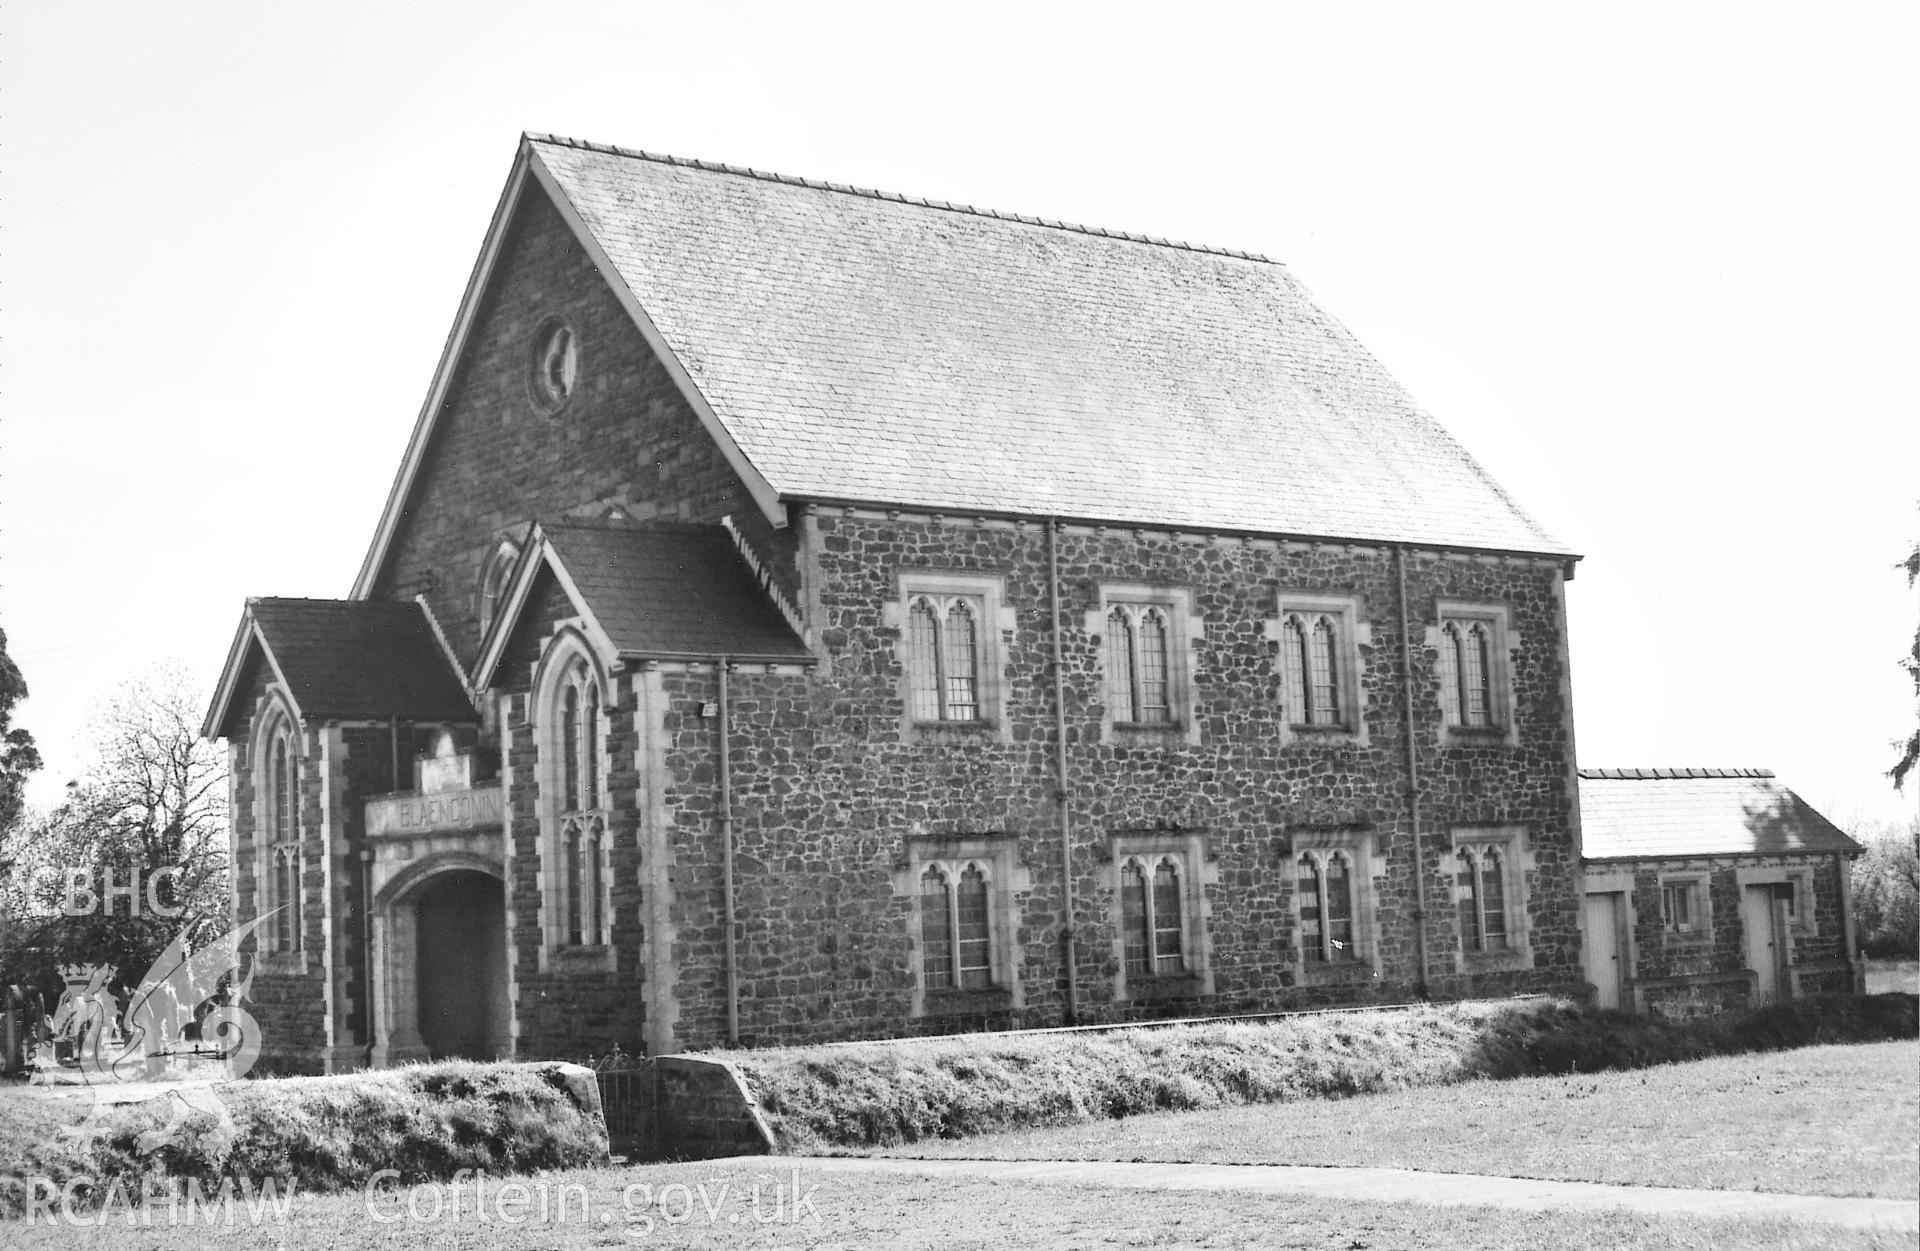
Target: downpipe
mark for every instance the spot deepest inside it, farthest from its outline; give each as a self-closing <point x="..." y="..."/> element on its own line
<point x="1062" y="794"/>
<point x="726" y="858"/>
<point x="1413" y="780"/>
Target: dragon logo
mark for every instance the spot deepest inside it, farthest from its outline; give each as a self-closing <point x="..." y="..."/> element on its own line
<point x="89" y="1041"/>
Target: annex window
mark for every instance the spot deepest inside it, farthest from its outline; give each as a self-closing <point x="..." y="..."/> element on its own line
<point x="1319" y="663"/>
<point x="962" y="890"/>
<point x="280" y="862"/>
<point x="572" y="707"/>
<point x="952" y="632"/>
<point x="1472" y="647"/>
<point x="1680" y="907"/>
<point x="1159" y="914"/>
<point x="1686" y="907"/>
<point x="1489" y="867"/>
<point x="943" y="651"/>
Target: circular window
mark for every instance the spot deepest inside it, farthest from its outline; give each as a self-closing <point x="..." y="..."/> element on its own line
<point x="556" y="365"/>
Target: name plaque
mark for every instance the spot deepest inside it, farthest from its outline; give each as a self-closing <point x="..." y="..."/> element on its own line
<point x="476" y="809"/>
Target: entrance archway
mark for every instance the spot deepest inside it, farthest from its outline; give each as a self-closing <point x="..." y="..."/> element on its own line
<point x="460" y="970"/>
<point x="440" y="947"/>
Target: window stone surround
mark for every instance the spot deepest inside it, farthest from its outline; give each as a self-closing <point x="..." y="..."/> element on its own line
<point x="997" y="623"/>
<point x="1186" y="631"/>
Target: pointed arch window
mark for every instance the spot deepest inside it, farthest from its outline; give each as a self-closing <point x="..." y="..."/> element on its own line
<point x="280" y="863"/>
<point x="1313" y="655"/>
<point x="1324" y="893"/>
<point x="1471" y="645"/>
<point x="1480" y="894"/>
<point x="576" y="812"/>
<point x="956" y="928"/>
<point x="943" y="657"/>
<point x="1139" y="665"/>
<point x="1466" y="674"/>
<point x="494" y="575"/>
<point x="962" y="921"/>
<point x="1152" y="916"/>
<point x="1322" y="642"/>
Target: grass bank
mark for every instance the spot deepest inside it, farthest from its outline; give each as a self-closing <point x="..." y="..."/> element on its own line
<point x="325" y="1133"/>
<point x="1838" y="1121"/>
<point x="867" y="1095"/>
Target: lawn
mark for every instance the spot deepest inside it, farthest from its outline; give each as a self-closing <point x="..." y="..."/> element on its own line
<point x="712" y="1206"/>
<point x="1836" y="1120"/>
<point x="1893" y="975"/>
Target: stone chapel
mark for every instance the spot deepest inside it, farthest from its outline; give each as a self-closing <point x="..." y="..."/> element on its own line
<point x="805" y="612"/>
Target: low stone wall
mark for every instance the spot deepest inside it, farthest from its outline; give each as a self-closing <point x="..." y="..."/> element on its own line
<point x="682" y="1108"/>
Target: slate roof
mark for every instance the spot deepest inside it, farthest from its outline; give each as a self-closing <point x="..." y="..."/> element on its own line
<point x="673" y="591"/>
<point x="864" y="347"/>
<point x="351" y="659"/>
<point x="1628" y="814"/>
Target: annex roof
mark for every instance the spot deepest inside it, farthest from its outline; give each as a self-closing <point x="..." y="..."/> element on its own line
<point x="350" y="659"/>
<point x="856" y="346"/>
<point x="1631" y="814"/>
<point x="655" y="590"/>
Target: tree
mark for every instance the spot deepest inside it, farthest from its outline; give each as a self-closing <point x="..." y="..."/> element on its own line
<point x="145" y="828"/>
<point x="1886" y="892"/>
<point x="1910" y="752"/>
<point x="18" y="756"/>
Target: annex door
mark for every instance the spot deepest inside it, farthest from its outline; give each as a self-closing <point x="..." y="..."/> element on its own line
<point x="1760" y="926"/>
<point x="461" y="966"/>
<point x="1603" y="948"/>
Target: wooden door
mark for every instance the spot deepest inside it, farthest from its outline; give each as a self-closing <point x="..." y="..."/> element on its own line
<point x="1760" y="927"/>
<point x="1603" y="948"/>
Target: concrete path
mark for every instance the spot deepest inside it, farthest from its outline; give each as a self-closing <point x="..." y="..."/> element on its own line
<point x="1402" y="1185"/>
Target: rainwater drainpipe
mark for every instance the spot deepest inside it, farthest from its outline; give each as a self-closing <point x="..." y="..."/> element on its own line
<point x="1061" y="794"/>
<point x="1413" y="780"/>
<point x="1855" y="968"/>
<point x="726" y="860"/>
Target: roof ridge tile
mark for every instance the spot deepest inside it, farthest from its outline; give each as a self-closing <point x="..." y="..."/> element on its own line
<point x="794" y="180"/>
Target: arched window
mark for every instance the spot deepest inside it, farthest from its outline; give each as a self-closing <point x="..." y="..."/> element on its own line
<point x="1466" y="674"/>
<point x="943" y="657"/>
<point x="1310" y="653"/>
<point x="575" y="811"/>
<point x="1481" y="896"/>
<point x="280" y="863"/>
<point x="971" y="923"/>
<point x="1475" y="693"/>
<point x="1122" y="662"/>
<point x="1138" y="687"/>
<point x="956" y="930"/>
<point x="1151" y="917"/>
<point x="493" y="582"/>
<point x="1325" y="904"/>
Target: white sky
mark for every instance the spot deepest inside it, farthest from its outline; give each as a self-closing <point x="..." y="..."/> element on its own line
<point x="1656" y="266"/>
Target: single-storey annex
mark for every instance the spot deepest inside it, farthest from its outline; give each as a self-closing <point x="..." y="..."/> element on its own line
<point x="805" y="612"/>
<point x="1712" y="889"/>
